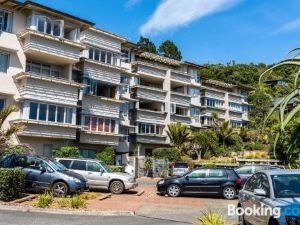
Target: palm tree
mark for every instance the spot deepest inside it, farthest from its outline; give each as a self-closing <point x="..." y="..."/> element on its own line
<point x="6" y="134"/>
<point x="179" y="135"/>
<point x="215" y="117"/>
<point x="225" y="131"/>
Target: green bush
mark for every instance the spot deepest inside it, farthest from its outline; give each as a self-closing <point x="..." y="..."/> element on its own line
<point x="254" y="146"/>
<point x="107" y="155"/>
<point x="18" y="149"/>
<point x="235" y="142"/>
<point x="67" y="152"/>
<point x="170" y="154"/>
<point x="44" y="200"/>
<point x="64" y="202"/>
<point x="12" y="184"/>
<point x="118" y="169"/>
<point x="77" y="202"/>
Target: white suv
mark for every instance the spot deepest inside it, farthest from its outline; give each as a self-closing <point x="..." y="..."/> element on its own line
<point x="99" y="175"/>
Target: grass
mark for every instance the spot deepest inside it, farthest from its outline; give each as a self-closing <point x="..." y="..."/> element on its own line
<point x="77" y="202"/>
<point x="44" y="201"/>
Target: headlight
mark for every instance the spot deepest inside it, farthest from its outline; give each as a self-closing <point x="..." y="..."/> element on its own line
<point x="77" y="181"/>
<point x="292" y="220"/>
<point x="161" y="182"/>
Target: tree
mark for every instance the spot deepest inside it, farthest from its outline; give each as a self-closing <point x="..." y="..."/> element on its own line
<point x="18" y="149"/>
<point x="215" y="117"/>
<point x="144" y="44"/>
<point x="170" y="50"/>
<point x="170" y="154"/>
<point x="6" y="134"/>
<point x="225" y="131"/>
<point x="67" y="152"/>
<point x="179" y="134"/>
<point x="107" y="155"/>
<point x="203" y="141"/>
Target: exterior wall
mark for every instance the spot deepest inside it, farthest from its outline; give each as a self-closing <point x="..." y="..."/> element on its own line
<point x="150" y="93"/>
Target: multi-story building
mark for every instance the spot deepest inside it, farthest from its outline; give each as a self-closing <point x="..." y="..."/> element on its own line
<point x="79" y="85"/>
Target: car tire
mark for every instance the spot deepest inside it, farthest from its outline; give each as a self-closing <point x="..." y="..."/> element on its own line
<point x="273" y="222"/>
<point x="59" y="189"/>
<point x="116" y="187"/>
<point x="173" y="190"/>
<point x="229" y="192"/>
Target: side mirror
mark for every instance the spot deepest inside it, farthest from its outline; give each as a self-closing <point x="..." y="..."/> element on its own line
<point x="187" y="177"/>
<point x="101" y="172"/>
<point x="260" y="192"/>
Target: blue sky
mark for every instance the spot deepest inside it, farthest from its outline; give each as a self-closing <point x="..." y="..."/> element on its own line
<point x="214" y="31"/>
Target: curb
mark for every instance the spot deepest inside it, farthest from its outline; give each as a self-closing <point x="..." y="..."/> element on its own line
<point x="67" y="212"/>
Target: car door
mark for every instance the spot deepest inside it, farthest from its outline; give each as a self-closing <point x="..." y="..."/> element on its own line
<point x="214" y="180"/>
<point x="96" y="176"/>
<point x="194" y="182"/>
<point x="37" y="176"/>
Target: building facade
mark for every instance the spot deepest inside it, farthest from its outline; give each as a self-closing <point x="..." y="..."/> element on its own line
<point x="78" y="85"/>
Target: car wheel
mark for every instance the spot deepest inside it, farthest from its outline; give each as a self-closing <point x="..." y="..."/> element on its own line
<point x="173" y="190"/>
<point x="229" y="192"/>
<point x="59" y="189"/>
<point x="116" y="187"/>
<point x="273" y="222"/>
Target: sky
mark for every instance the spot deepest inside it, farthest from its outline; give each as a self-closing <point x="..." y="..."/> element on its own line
<point x="206" y="31"/>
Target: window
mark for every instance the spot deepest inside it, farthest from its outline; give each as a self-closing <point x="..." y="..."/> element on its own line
<point x="213" y="102"/>
<point x="145" y="128"/>
<point x="38" y="68"/>
<point x="198" y="174"/>
<point x="126" y="56"/>
<point x="49" y="26"/>
<point x="99" y="124"/>
<point x="216" y="173"/>
<point x="87" y="124"/>
<point x="195" y="112"/>
<point x="78" y="165"/>
<point x="47" y="150"/>
<point x="93" y="167"/>
<point x="33" y="111"/>
<point x="6" y="21"/>
<point x="106" y="125"/>
<point x="244" y="170"/>
<point x="66" y="163"/>
<point x="112" y="126"/>
<point x="234" y="106"/>
<point x="90" y="154"/>
<point x="103" y="56"/>
<point x="194" y="92"/>
<point x="52" y="113"/>
<point x="195" y="75"/>
<point x="4" y="62"/>
<point x="35" y="164"/>
<point x="2" y="104"/>
<point x="249" y="186"/>
<point x="94" y="123"/>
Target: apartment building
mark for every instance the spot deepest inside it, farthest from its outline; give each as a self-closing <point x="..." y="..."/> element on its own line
<point x="78" y="85"/>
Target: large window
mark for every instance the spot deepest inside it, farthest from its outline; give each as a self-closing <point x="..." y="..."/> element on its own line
<point x="235" y="106"/>
<point x="195" y="75"/>
<point x="235" y="124"/>
<point x="98" y="88"/>
<point x="4" y="62"/>
<point x="2" y="103"/>
<point x="97" y="124"/>
<point x="195" y="112"/>
<point x="5" y="21"/>
<point x="49" y="26"/>
<point x="48" y="70"/>
<point x="213" y="102"/>
<point x="145" y="128"/>
<point x="51" y="113"/>
<point x="103" y="56"/>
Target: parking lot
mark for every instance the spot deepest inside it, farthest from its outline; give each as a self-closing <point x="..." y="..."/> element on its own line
<point x="149" y="204"/>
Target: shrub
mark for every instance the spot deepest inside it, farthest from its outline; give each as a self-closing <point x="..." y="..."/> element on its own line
<point x="236" y="142"/>
<point x="89" y="195"/>
<point x="12" y="184"/>
<point x="18" y="149"/>
<point x="188" y="160"/>
<point x="118" y="169"/>
<point x="64" y="202"/>
<point x="107" y="155"/>
<point x="211" y="218"/>
<point x="67" y="151"/>
<point x="148" y="165"/>
<point x="77" y="202"/>
<point x="254" y="146"/>
<point x="170" y="154"/>
<point x="44" y="200"/>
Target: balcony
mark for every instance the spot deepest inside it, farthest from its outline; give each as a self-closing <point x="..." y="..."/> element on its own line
<point x="50" y="48"/>
<point x="181" y="118"/>
<point x="150" y="139"/>
<point x="180" y="99"/>
<point x="180" y="77"/>
<point x="208" y="112"/>
<point x="87" y="137"/>
<point x="149" y="116"/>
<point x="48" y="89"/>
<point x="196" y="121"/>
<point x="149" y="93"/>
<point x="235" y="115"/>
<point x="214" y="94"/>
<point x="47" y="129"/>
<point x="146" y="69"/>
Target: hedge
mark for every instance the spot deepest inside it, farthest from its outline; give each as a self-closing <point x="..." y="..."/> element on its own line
<point x="12" y="184"/>
<point x="118" y="168"/>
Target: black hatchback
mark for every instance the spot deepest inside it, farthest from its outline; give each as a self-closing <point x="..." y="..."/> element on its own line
<point x="215" y="182"/>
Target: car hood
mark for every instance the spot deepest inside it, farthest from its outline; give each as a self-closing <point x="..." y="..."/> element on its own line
<point x="73" y="174"/>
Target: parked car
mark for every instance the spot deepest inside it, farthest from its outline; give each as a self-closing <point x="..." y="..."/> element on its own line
<point x="218" y="182"/>
<point x="273" y="189"/>
<point x="99" y="175"/>
<point x="248" y="170"/>
<point x="43" y="174"/>
<point x="180" y="168"/>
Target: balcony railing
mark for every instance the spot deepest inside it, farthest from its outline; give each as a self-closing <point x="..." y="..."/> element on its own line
<point x="180" y="77"/>
<point x="181" y="99"/>
<point x="150" y="93"/>
<point x="150" y="116"/>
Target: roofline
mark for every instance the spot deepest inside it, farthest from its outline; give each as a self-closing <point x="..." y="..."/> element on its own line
<point x="123" y="39"/>
<point x="56" y="11"/>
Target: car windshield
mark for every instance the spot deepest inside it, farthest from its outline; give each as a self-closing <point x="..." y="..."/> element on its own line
<point x="106" y="167"/>
<point x="286" y="185"/>
<point x="56" y="165"/>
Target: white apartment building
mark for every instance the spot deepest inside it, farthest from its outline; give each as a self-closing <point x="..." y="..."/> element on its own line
<point x="78" y="85"/>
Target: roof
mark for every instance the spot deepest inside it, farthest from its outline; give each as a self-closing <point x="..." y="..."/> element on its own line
<point x="98" y="30"/>
<point x="161" y="59"/>
<point x="280" y="172"/>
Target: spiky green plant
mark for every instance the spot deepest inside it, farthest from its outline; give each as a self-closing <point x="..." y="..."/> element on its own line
<point x="179" y="134"/>
<point x="211" y="218"/>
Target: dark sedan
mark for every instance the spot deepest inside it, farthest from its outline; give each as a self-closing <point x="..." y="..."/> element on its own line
<point x="217" y="182"/>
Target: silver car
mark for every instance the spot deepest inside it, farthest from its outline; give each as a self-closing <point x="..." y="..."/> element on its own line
<point x="271" y="198"/>
<point x="99" y="175"/>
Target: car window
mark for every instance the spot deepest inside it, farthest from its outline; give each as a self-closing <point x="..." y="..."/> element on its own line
<point x="66" y="163"/>
<point x="20" y="161"/>
<point x="93" y="166"/>
<point x="181" y="165"/>
<point x="198" y="174"/>
<point x="216" y="173"/>
<point x="244" y="170"/>
<point x="264" y="183"/>
<point x="35" y="164"/>
<point x="286" y="185"/>
<point x="78" y="165"/>
<point x="260" y="168"/>
<point x="249" y="186"/>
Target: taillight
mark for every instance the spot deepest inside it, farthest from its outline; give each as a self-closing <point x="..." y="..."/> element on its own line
<point x="238" y="181"/>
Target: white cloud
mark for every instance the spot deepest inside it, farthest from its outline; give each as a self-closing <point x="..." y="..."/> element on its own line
<point x="290" y="26"/>
<point x="175" y="13"/>
<point x="130" y="3"/>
